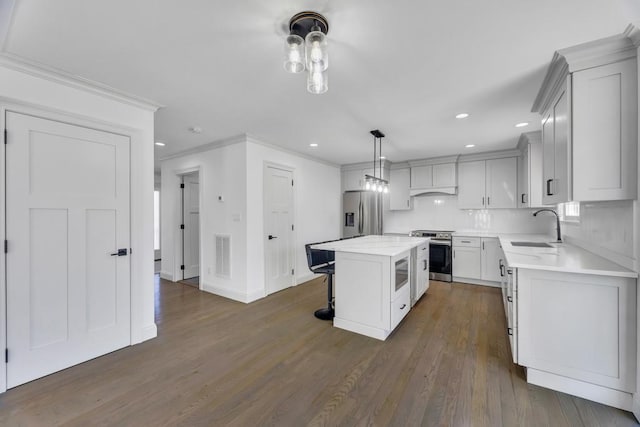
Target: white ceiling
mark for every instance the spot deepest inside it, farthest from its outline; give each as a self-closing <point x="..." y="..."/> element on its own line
<point x="405" y="67"/>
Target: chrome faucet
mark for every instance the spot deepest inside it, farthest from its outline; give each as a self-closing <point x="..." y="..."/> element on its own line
<point x="559" y="239"/>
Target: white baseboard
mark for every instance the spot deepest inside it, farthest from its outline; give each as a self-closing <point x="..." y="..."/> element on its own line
<point x="231" y="294"/>
<point x="149" y="332"/>
<point x="305" y="278"/>
<point x="361" y="329"/>
<point x="255" y="295"/>
<point x="166" y="276"/>
<point x="608" y="396"/>
<point x="476" y="282"/>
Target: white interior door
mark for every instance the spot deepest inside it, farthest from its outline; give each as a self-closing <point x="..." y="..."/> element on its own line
<point x="191" y="221"/>
<point x="67" y="197"/>
<point x="279" y="244"/>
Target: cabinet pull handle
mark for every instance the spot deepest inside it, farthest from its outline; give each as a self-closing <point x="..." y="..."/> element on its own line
<point x="483" y="201"/>
<point x="522" y="198"/>
<point x="549" y="193"/>
<point x="509" y="298"/>
<point x="483" y="246"/>
<point x="465" y="241"/>
<point x="407" y="202"/>
<point x="403" y="306"/>
<point x="454" y="254"/>
<point x="509" y="331"/>
<point x="488" y="201"/>
<point x="425" y="264"/>
<point x="501" y="268"/>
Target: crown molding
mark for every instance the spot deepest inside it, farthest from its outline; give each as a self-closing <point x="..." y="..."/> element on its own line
<point x="386" y="164"/>
<point x="580" y="57"/>
<point x="206" y="147"/>
<point x="434" y="161"/>
<point x="33" y="68"/>
<point x="527" y="138"/>
<point x="489" y="155"/>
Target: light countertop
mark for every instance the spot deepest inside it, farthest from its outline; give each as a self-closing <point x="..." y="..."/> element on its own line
<point x="473" y="233"/>
<point x="374" y="245"/>
<point x="562" y="257"/>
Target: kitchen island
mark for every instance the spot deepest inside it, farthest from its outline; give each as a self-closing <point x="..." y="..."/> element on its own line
<point x="372" y="282"/>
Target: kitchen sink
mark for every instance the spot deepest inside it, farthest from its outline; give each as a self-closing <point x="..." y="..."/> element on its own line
<point x="532" y="244"/>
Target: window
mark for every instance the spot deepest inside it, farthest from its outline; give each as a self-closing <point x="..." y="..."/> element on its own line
<point x="569" y="212"/>
<point x="156" y="220"/>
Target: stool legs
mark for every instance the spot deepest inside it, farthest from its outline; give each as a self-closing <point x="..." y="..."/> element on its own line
<point x="327" y="313"/>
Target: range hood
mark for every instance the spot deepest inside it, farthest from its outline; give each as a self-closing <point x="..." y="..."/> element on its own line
<point x="413" y="192"/>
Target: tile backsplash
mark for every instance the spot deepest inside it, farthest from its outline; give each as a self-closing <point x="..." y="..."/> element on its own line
<point x="440" y="212"/>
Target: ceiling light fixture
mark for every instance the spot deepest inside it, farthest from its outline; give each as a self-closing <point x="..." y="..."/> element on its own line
<point x="313" y="145"/>
<point x="462" y="115"/>
<point x="521" y="125"/>
<point x="160" y="144"/>
<point x="195" y="129"/>
<point x="469" y="145"/>
<point x="306" y="48"/>
<point x="375" y="182"/>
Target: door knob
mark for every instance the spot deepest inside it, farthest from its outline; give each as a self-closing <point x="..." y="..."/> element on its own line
<point x="272" y="237"/>
<point x="121" y="252"/>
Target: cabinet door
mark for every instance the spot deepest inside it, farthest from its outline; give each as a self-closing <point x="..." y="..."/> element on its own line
<point x="466" y="262"/>
<point x="490" y="259"/>
<point x="399" y="190"/>
<point x="561" y="180"/>
<point x="548" y="158"/>
<point x="422" y="273"/>
<point x="352" y="180"/>
<point x="501" y="180"/>
<point x="422" y="176"/>
<point x="523" y="180"/>
<point x="534" y="176"/>
<point x="471" y="185"/>
<point x="444" y="175"/>
<point x="605" y="123"/>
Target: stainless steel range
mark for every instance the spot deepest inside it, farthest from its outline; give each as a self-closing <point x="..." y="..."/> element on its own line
<point x="439" y="253"/>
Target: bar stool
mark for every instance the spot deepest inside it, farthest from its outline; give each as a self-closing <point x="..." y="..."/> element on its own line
<point x="322" y="262"/>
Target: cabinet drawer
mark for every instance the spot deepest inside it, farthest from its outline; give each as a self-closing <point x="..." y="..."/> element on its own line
<point x="400" y="306"/>
<point x="472" y="242"/>
<point x="423" y="251"/>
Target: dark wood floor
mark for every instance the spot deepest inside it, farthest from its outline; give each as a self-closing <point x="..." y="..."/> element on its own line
<point x="217" y="362"/>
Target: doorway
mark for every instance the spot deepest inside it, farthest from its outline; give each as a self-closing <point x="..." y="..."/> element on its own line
<point x="68" y="233"/>
<point x="190" y="228"/>
<point x="279" y="228"/>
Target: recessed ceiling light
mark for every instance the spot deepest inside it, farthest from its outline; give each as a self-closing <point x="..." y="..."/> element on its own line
<point x="462" y="115"/>
<point x="469" y="145"/>
<point x="314" y="145"/>
<point x="521" y="125"/>
<point x="195" y="129"/>
<point x="160" y="144"/>
<point x="382" y="157"/>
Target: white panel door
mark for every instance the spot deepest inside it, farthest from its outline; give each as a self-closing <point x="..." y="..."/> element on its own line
<point x="466" y="262"/>
<point x="191" y="221"/>
<point x="279" y="244"/>
<point x="501" y="183"/>
<point x="68" y="295"/>
<point x="471" y="185"/>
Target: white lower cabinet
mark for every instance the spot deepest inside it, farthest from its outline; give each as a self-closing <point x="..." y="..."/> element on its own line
<point x="476" y="260"/>
<point x="575" y="333"/>
<point x="422" y="270"/>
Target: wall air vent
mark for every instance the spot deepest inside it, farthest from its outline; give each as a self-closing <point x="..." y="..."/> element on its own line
<point x="223" y="256"/>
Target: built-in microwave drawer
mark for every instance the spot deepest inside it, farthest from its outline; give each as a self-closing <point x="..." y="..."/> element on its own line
<point x="472" y="242"/>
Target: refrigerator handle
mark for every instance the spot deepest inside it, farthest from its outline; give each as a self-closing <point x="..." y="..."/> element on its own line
<point x="360" y="215"/>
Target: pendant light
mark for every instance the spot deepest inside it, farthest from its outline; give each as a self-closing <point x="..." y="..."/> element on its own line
<point x="375" y="182"/>
<point x="306" y="48"/>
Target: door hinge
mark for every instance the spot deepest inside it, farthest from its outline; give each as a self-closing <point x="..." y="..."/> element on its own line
<point x="182" y="267"/>
<point x="181" y="185"/>
<point x="181" y="226"/>
<point x="6" y="247"/>
<point x="291" y="227"/>
<point x="6" y="355"/>
<point x="5" y="136"/>
<point x="292" y="271"/>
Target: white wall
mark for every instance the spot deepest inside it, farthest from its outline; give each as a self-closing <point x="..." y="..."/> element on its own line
<point x="235" y="171"/>
<point x="317" y="207"/>
<point x="47" y="94"/>
<point x="440" y="212"/>
<point x="222" y="173"/>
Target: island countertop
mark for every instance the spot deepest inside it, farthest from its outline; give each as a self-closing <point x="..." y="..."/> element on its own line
<point x="374" y="245"/>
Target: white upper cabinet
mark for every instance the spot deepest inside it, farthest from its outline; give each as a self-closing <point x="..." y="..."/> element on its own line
<point x="589" y="107"/>
<point x="353" y="175"/>
<point x="434" y="175"/>
<point x="422" y="176"/>
<point x="530" y="170"/>
<point x="605" y="132"/>
<point x="399" y="182"/>
<point x="488" y="184"/>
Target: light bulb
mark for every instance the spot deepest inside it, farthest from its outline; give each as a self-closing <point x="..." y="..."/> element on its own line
<point x="316" y="51"/>
<point x="386" y="189"/>
<point x="317" y="81"/>
<point x="294" y="54"/>
<point x="379" y="188"/>
<point x="367" y="185"/>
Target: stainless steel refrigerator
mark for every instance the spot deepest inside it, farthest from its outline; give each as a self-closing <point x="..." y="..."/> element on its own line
<point x="362" y="213"/>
